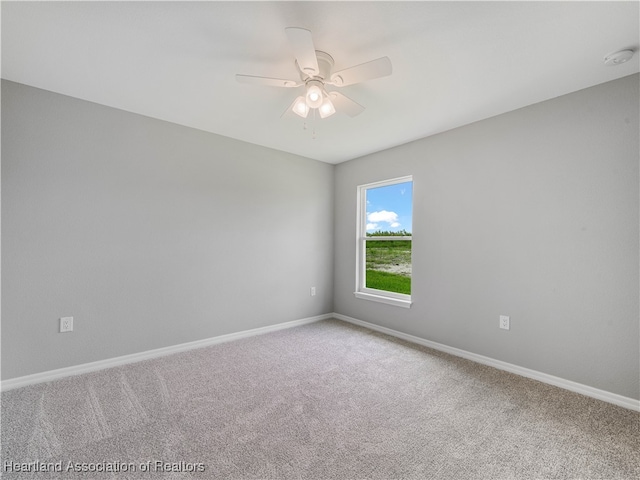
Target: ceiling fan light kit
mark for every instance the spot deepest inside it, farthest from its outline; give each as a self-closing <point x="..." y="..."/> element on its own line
<point x="315" y="69"/>
<point x="300" y="107"/>
<point x="314" y="93"/>
<point x="327" y="109"/>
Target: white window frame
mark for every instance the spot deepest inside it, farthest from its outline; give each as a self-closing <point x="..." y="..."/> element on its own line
<point x="362" y="292"/>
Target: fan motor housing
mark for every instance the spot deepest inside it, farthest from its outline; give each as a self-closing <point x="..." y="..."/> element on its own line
<point x="325" y="64"/>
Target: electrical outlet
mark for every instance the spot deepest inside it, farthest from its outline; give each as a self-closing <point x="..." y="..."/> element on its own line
<point x="313" y="291"/>
<point x="66" y="324"/>
<point x="504" y="322"/>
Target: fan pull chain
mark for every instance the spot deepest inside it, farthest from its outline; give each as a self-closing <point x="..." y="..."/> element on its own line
<point x="313" y="133"/>
<point x="313" y="124"/>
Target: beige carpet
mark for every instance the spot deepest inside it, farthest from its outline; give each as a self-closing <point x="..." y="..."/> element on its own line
<point x="323" y="401"/>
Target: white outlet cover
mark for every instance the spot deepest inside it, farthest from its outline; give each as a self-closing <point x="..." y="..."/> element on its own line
<point x="66" y="324"/>
<point x="504" y="322"/>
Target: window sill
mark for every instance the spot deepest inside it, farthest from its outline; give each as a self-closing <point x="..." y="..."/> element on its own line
<point x="398" y="302"/>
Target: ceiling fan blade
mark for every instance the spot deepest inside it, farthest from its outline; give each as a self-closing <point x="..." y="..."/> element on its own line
<point x="344" y="104"/>
<point x="360" y="73"/>
<point x="270" y="82"/>
<point x="303" y="50"/>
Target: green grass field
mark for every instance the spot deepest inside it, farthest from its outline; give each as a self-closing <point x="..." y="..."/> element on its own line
<point x="390" y="282"/>
<point x="389" y="265"/>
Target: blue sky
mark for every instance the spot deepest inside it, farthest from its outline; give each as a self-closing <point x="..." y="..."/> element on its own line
<point x="389" y="208"/>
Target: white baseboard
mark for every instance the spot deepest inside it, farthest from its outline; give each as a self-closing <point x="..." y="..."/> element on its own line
<point x="149" y="354"/>
<point x="614" y="398"/>
<point x="50" y="375"/>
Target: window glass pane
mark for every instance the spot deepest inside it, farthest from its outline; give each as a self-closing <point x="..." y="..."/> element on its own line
<point x="388" y="214"/>
<point x="388" y="265"/>
<point x="389" y="208"/>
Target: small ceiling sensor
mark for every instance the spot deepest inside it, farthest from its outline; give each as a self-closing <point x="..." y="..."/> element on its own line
<point x="618" y="58"/>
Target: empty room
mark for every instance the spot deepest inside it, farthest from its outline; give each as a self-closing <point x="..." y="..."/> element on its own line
<point x="320" y="240"/>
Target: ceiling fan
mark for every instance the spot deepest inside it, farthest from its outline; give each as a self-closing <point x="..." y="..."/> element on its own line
<point x="315" y="69"/>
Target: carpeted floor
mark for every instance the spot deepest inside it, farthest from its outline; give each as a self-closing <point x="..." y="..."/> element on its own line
<point x="326" y="400"/>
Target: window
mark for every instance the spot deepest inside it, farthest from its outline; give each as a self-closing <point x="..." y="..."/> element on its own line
<point x="384" y="241"/>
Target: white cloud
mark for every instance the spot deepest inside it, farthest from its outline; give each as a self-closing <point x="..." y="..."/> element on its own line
<point x="382" y="216"/>
<point x="375" y="218"/>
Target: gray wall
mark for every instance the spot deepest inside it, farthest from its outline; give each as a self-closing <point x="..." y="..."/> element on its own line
<point x="532" y="214"/>
<point x="149" y="234"/>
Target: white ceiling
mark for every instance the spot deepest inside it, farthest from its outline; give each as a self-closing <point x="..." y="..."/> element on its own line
<point x="453" y="62"/>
